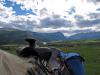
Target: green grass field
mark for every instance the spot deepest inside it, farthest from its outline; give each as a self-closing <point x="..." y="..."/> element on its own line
<point x="89" y="49"/>
<point x="91" y="53"/>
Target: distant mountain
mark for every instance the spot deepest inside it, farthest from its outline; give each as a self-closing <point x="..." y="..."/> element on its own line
<point x="89" y="35"/>
<point x="57" y="36"/>
<point x="8" y="35"/>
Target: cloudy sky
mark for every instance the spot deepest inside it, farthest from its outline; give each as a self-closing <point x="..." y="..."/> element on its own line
<point x="66" y="16"/>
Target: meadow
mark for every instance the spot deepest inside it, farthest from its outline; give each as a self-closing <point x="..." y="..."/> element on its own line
<point x="91" y="55"/>
<point x="90" y="50"/>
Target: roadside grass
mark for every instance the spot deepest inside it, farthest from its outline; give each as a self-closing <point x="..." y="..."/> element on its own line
<point x="9" y="48"/>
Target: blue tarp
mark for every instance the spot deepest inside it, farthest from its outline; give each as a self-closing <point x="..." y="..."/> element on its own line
<point x="68" y="55"/>
<point x="73" y="60"/>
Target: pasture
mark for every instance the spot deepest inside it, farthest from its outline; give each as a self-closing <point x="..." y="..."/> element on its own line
<point x="91" y="55"/>
<point x="90" y="50"/>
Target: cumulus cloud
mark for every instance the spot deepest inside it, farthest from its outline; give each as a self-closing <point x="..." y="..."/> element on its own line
<point x="66" y="16"/>
<point x="43" y="12"/>
<point x="82" y="31"/>
<point x="95" y="1"/>
<point x="55" y="22"/>
<point x="94" y="15"/>
<point x="78" y="17"/>
<point x="66" y="31"/>
<point x="97" y="28"/>
<point x="98" y="9"/>
<point x="6" y="11"/>
<point x="50" y="30"/>
<point x="22" y="25"/>
<point x="88" y="23"/>
<point x="71" y="10"/>
<point x="25" y="25"/>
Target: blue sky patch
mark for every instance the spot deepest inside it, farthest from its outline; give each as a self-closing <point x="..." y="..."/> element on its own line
<point x="17" y="9"/>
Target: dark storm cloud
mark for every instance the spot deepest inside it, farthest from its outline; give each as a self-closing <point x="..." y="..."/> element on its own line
<point x="88" y="23"/>
<point x="54" y="22"/>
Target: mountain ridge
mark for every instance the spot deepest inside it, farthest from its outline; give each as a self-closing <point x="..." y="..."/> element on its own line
<point x="83" y="36"/>
<point x="9" y="35"/>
